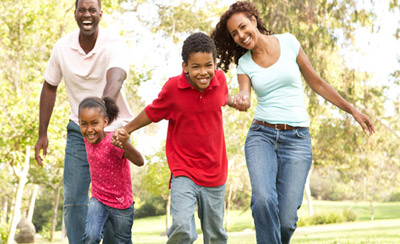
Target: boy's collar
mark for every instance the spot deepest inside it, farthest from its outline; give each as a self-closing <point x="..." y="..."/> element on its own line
<point x="183" y="83"/>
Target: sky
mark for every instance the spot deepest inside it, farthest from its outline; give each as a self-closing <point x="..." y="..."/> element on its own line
<point x="379" y="53"/>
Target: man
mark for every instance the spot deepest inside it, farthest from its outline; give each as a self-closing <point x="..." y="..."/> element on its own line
<point x="92" y="63"/>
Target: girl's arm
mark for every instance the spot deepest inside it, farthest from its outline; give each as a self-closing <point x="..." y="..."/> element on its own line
<point x="329" y="93"/>
<point x="130" y="152"/>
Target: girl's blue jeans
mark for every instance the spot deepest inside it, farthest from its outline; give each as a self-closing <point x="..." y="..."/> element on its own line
<point x="99" y="214"/>
<point x="210" y="200"/>
<point x="278" y="162"/>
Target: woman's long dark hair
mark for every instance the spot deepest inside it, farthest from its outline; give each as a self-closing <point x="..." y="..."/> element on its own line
<point x="227" y="49"/>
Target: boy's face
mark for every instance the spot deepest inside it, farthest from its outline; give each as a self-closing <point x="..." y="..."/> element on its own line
<point x="200" y="68"/>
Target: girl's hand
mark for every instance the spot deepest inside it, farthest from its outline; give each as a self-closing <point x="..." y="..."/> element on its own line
<point x="117" y="138"/>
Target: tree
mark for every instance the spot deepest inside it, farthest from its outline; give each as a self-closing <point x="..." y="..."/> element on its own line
<point x="323" y="29"/>
<point x="156" y="179"/>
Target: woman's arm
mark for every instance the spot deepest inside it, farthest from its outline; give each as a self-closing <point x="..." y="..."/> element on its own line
<point x="242" y="101"/>
<point x="329" y="93"/>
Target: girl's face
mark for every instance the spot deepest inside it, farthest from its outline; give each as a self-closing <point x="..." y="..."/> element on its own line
<point x="92" y="122"/>
<point x="243" y="30"/>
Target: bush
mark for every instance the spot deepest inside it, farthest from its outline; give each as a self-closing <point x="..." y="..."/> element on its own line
<point x="153" y="206"/>
<point x="3" y="233"/>
<point x="394" y="197"/>
<point x="328" y="217"/>
<point x="44" y="210"/>
<point x="328" y="184"/>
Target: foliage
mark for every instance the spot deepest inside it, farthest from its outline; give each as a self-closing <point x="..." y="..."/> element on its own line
<point x="177" y="19"/>
<point x="153" y="206"/>
<point x="359" y="167"/>
<point x="157" y="175"/>
<point x="328" y="217"/>
<point x="44" y="210"/>
<point x="3" y="233"/>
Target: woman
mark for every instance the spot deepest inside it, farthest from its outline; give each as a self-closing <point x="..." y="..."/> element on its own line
<point x="278" y="145"/>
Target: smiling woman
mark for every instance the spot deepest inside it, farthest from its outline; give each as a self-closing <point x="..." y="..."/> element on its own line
<point x="278" y="145"/>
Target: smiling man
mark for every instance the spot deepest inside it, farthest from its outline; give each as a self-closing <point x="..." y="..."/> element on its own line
<point x="92" y="62"/>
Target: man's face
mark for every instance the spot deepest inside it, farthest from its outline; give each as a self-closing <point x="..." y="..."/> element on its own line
<point x="88" y="16"/>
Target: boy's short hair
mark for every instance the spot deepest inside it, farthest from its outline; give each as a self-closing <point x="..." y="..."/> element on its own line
<point x="198" y="42"/>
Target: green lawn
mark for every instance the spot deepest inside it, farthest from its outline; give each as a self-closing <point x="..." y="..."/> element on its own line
<point x="384" y="229"/>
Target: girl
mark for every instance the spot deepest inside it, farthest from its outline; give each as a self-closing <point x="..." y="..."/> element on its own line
<point x="110" y="172"/>
<point x="278" y="144"/>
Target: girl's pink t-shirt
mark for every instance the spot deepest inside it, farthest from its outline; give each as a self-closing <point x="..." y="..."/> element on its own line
<point x="110" y="173"/>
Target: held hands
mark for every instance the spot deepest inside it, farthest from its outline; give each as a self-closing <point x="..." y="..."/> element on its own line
<point x="241" y="101"/>
<point x="120" y="138"/>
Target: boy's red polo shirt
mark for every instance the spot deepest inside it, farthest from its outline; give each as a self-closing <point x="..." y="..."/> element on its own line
<point x="195" y="144"/>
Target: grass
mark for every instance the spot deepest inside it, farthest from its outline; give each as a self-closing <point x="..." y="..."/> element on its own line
<point x="384" y="229"/>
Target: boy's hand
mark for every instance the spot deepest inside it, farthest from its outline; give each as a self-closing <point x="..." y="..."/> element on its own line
<point x="123" y="136"/>
<point x="241" y="101"/>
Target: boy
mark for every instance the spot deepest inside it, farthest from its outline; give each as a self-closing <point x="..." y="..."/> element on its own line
<point x="195" y="145"/>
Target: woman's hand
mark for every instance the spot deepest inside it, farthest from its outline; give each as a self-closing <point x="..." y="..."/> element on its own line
<point x="364" y="121"/>
<point x="242" y="101"/>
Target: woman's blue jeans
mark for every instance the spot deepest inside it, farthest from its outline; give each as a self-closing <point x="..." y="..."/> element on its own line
<point x="99" y="214"/>
<point x="278" y="162"/>
<point x="210" y="200"/>
<point x="76" y="187"/>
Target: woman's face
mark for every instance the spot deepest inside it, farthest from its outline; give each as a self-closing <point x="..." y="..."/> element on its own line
<point x="243" y="30"/>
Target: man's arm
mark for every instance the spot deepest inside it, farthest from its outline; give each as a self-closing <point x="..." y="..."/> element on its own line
<point x="115" y="77"/>
<point x="47" y="100"/>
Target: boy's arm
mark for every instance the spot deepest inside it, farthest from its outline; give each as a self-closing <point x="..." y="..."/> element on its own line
<point x="140" y="121"/>
<point x="230" y="102"/>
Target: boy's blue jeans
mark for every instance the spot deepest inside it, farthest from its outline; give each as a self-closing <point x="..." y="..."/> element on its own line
<point x="210" y="200"/>
<point x="76" y="187"/>
<point x="99" y="214"/>
<point x="278" y="162"/>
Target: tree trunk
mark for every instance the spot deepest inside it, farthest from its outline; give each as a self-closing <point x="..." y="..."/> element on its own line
<point x="372" y="209"/>
<point x="55" y="210"/>
<point x="32" y="203"/>
<point x="3" y="219"/>
<point x="22" y="175"/>
<point x="168" y="212"/>
<point x="308" y="194"/>
<point x="63" y="231"/>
